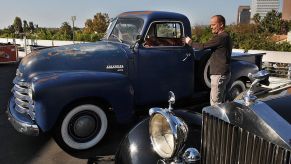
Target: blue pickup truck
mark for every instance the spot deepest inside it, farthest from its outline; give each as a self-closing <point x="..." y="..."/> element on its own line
<point x="77" y="91"/>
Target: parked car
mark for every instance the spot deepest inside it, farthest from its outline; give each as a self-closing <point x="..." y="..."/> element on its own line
<point x="247" y="130"/>
<point x="78" y="91"/>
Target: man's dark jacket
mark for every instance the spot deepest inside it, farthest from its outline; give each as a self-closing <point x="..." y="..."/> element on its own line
<point x="221" y="45"/>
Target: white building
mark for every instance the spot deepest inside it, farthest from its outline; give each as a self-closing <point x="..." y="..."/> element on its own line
<point x="263" y="7"/>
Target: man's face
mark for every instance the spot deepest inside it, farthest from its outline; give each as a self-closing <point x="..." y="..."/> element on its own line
<point x="215" y="25"/>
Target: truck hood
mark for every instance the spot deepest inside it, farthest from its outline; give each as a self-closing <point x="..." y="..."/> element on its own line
<point x="101" y="56"/>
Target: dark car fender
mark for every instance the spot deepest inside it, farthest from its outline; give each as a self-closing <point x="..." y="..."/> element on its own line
<point x="54" y="91"/>
<point x="136" y="147"/>
<point x="241" y="69"/>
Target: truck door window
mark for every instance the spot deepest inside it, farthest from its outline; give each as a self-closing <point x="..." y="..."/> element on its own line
<point x="164" y="34"/>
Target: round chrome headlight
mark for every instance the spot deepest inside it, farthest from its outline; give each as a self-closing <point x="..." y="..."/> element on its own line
<point x="167" y="132"/>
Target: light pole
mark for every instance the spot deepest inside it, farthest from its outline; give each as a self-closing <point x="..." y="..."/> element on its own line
<point x="73" y="20"/>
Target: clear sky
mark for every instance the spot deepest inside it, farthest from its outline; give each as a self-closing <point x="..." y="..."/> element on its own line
<point x="52" y="13"/>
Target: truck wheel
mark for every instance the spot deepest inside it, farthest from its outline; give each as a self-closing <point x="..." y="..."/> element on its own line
<point x="236" y="89"/>
<point x="206" y="74"/>
<point x="82" y="127"/>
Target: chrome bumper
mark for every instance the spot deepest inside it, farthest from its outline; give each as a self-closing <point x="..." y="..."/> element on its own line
<point x="21" y="123"/>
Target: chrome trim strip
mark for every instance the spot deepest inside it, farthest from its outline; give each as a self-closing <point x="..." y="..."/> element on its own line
<point x="22" y="97"/>
<point x="20" y="109"/>
<point x="20" y="89"/>
<point x="21" y="83"/>
<point x="23" y="103"/>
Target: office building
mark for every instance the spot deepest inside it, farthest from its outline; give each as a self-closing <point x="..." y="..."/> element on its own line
<point x="262" y="7"/>
<point x="243" y="15"/>
<point x="286" y="11"/>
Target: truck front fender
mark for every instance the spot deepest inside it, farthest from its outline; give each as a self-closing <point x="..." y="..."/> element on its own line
<point x="241" y="69"/>
<point x="136" y="147"/>
<point x="53" y="92"/>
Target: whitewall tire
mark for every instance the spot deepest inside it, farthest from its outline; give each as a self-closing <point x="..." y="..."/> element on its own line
<point x="83" y="127"/>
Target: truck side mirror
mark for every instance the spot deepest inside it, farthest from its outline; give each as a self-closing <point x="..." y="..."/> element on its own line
<point x="137" y="41"/>
<point x="138" y="38"/>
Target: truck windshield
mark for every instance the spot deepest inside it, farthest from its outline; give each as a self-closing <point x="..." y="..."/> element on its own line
<point x="125" y="30"/>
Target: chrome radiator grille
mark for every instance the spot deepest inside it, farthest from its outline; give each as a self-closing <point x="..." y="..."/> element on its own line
<point x="224" y="143"/>
<point x="23" y="102"/>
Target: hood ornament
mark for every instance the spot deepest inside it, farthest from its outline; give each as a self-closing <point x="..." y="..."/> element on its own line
<point x="249" y="97"/>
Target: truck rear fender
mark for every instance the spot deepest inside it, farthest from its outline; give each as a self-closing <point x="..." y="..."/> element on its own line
<point x="53" y="93"/>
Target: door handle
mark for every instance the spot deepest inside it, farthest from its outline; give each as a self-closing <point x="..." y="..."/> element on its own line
<point x="187" y="56"/>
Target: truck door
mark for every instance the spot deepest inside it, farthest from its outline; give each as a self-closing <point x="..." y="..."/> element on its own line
<point x="161" y="66"/>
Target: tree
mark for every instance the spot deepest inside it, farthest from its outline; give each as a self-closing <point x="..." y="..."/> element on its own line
<point x="65" y="32"/>
<point x="17" y="24"/>
<point x="11" y="29"/>
<point x="201" y="34"/>
<point x="89" y="26"/>
<point x="31" y="27"/>
<point x="66" y="28"/>
<point x="257" y="18"/>
<point x="284" y="27"/>
<point x="271" y="23"/>
<point x="98" y="24"/>
<point x="25" y="26"/>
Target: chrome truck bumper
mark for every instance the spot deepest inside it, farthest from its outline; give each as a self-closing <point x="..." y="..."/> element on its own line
<point x="21" y="122"/>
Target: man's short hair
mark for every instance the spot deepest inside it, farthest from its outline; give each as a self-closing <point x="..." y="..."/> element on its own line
<point x="220" y="19"/>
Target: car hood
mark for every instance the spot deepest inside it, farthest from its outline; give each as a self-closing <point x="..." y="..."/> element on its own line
<point x="262" y="118"/>
<point x="101" y="56"/>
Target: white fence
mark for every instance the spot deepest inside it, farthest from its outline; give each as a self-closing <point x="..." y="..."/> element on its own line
<point x="22" y="42"/>
<point x="27" y="43"/>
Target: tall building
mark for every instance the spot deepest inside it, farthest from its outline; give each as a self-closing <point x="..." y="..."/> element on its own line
<point x="262" y="7"/>
<point x="286" y="11"/>
<point x="243" y="15"/>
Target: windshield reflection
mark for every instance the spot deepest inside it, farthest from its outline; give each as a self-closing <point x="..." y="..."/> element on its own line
<point x="125" y="30"/>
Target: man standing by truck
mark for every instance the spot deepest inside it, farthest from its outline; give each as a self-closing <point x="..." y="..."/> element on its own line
<point x="221" y="45"/>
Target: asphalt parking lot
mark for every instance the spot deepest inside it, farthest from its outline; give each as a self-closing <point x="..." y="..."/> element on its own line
<point x="18" y="148"/>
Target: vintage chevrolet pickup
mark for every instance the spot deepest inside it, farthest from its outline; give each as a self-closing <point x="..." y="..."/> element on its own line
<point x="77" y="91"/>
<point x="246" y="130"/>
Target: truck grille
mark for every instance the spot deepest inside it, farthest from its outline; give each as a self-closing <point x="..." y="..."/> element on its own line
<point x="224" y="143"/>
<point x="23" y="102"/>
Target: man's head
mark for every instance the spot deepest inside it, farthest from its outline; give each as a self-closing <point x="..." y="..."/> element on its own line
<point x="217" y="24"/>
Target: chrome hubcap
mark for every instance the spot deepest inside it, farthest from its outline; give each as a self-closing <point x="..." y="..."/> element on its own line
<point x="84" y="126"/>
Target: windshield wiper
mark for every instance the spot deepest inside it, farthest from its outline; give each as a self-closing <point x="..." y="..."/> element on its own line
<point x="121" y="41"/>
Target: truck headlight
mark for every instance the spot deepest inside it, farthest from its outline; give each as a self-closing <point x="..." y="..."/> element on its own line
<point x="167" y="132"/>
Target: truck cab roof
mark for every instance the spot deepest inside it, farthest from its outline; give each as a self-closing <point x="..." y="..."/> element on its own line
<point x="154" y="16"/>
